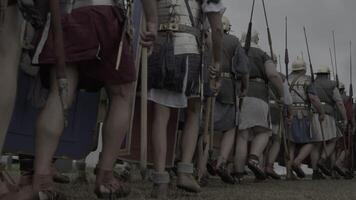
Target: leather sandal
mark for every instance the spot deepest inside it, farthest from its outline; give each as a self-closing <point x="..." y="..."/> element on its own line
<point x="109" y="187"/>
<point x="238" y="176"/>
<point x="322" y="165"/>
<point x="339" y="171"/>
<point x="252" y="164"/>
<point x="44" y="188"/>
<point x="211" y="167"/>
<point x="160" y="185"/>
<point x="185" y="180"/>
<point x="296" y="168"/>
<point x="59" y="177"/>
<point x="225" y="175"/>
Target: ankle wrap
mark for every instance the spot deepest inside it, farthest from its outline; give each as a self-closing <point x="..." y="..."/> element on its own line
<point x="160" y="177"/>
<point x="187" y="168"/>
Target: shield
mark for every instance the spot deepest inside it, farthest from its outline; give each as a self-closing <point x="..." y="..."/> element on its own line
<point x="78" y="138"/>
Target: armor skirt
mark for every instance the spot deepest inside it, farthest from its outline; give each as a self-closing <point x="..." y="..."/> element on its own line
<point x="254" y="113"/>
<point x="299" y="132"/>
<point x="224" y="117"/>
<point x="327" y="131"/>
<point x="92" y="36"/>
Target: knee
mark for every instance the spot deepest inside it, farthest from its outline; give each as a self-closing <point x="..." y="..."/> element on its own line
<point x="125" y="91"/>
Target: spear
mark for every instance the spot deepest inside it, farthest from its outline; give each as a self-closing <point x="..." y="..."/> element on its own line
<point x="332" y="63"/>
<point x="337" y="76"/>
<point x="286" y="56"/>
<point x="280" y="63"/>
<point x="248" y="35"/>
<point x="60" y="57"/>
<point x="268" y="30"/>
<point x="351" y="88"/>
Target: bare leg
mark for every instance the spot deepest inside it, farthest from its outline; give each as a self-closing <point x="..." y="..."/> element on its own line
<point x="259" y="144"/>
<point x="10" y="51"/>
<point x="116" y="123"/>
<point x="227" y="144"/>
<point x="315" y="155"/>
<point x="189" y="142"/>
<point x="241" y="151"/>
<point x="50" y="123"/>
<point x="159" y="136"/>
<point x="191" y="131"/>
<point x="303" y="153"/>
<point x="274" y="150"/>
<point x="330" y="147"/>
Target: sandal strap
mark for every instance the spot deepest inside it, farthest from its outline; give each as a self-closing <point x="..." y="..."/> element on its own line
<point x="43" y="182"/>
<point x="160" y="177"/>
<point x="187" y="168"/>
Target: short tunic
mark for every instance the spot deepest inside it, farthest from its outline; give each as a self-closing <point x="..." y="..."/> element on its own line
<point x="92" y="35"/>
<point x="254" y="113"/>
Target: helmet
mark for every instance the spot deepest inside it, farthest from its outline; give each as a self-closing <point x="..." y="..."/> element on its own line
<point x="341" y="86"/>
<point x="226" y="24"/>
<point x="323" y="69"/>
<point x="254" y="37"/>
<point x="299" y="64"/>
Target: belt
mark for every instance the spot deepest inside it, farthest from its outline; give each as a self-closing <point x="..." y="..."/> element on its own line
<point x="74" y="4"/>
<point x="174" y="27"/>
<point x="227" y="75"/>
<point x="300" y="105"/>
<point x="259" y="80"/>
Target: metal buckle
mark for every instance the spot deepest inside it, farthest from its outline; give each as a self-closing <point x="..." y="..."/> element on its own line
<point x="169" y="27"/>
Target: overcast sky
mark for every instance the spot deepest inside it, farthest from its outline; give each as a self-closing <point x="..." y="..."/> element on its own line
<point x="319" y="16"/>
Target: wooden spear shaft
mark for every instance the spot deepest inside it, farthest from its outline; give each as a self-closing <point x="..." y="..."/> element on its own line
<point x="144" y="57"/>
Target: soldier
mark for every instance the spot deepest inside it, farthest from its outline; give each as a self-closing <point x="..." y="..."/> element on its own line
<point x="326" y="128"/>
<point x="253" y="120"/>
<point x="233" y="74"/>
<point x="10" y="51"/>
<point x="92" y="32"/>
<point x="174" y="70"/>
<point x="300" y="134"/>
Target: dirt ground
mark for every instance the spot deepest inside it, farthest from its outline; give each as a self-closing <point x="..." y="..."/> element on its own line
<point x="249" y="190"/>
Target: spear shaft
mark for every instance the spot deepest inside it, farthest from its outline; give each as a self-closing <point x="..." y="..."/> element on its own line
<point x="332" y="63"/>
<point x="337" y="75"/>
<point x="309" y="57"/>
<point x="249" y="30"/>
<point x="268" y="30"/>
<point x="286" y="56"/>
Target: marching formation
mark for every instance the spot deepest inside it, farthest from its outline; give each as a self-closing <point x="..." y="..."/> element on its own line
<point x="209" y="103"/>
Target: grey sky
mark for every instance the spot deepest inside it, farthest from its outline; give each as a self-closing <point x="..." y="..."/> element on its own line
<point x="319" y="16"/>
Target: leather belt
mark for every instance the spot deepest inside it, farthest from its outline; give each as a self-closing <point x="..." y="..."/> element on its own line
<point x="226" y="75"/>
<point x="300" y="105"/>
<point x="75" y="4"/>
<point x="174" y="27"/>
<point x="259" y="80"/>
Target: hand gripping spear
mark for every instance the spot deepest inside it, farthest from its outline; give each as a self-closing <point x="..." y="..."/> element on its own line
<point x="313" y="81"/>
<point x="268" y="31"/>
<point x="60" y="57"/>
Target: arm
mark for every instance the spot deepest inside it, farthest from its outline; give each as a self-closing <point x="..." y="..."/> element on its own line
<point x="240" y="67"/>
<point x="274" y="77"/>
<point x="150" y="34"/>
